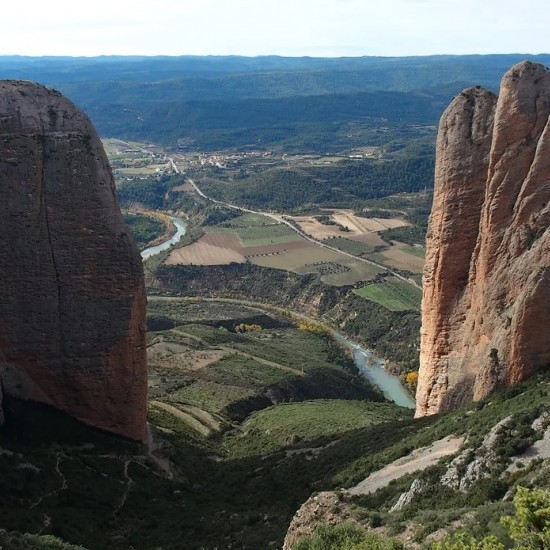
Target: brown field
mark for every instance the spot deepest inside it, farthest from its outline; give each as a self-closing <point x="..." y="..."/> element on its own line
<point x="317" y="230"/>
<point x="211" y="249"/>
<point x="224" y="248"/>
<point x="372" y="239"/>
<point x="401" y="259"/>
<point x="357" y="224"/>
<point x="358" y="227"/>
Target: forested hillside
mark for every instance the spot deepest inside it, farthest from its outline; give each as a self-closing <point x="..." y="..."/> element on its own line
<point x="304" y="104"/>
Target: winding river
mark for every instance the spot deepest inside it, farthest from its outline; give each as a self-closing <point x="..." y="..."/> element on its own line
<point x="180" y="232"/>
<point x="368" y="364"/>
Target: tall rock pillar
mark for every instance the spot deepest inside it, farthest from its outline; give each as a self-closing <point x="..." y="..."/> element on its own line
<point x="72" y="300"/>
<point x="486" y="300"/>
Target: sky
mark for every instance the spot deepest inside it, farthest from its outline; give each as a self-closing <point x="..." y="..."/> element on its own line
<point x="283" y="27"/>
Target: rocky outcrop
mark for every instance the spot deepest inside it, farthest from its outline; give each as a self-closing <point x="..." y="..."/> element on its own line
<point x="486" y="302"/>
<point x="72" y="302"/>
<point x="324" y="508"/>
<point x="481" y="462"/>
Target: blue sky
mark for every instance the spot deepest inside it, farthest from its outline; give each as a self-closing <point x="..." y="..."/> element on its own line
<point x="283" y="27"/>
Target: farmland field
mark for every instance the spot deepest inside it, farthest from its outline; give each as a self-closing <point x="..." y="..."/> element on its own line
<point x="393" y="294"/>
<point x="345" y="271"/>
<point x="251" y="220"/>
<point x="211" y="249"/>
<point x="347" y="245"/>
<point x="295" y="259"/>
<point x="402" y="256"/>
<point x="419" y="251"/>
<point x="345" y="223"/>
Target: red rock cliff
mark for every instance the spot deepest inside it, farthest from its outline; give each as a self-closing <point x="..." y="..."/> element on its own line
<point x="72" y="301"/>
<point x="486" y="301"/>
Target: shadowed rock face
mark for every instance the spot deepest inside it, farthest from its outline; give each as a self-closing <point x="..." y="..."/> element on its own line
<point x="486" y="302"/>
<point x="72" y="302"/>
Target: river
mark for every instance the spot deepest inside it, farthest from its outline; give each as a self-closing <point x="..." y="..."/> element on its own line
<point x="180" y="232"/>
<point x="372" y="368"/>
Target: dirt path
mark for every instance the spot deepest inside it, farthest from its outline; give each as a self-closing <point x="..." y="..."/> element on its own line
<point x="129" y="482"/>
<point x="63" y="485"/>
<point x="418" y="460"/>
<point x="232" y="351"/>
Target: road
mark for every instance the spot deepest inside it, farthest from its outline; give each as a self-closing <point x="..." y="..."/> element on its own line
<point x="281" y="219"/>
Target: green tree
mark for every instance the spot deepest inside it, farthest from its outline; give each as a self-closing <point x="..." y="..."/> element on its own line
<point x="464" y="541"/>
<point x="345" y="536"/>
<point x="529" y="527"/>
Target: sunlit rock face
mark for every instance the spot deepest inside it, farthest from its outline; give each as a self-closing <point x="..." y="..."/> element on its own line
<point x="486" y="301"/>
<point x="72" y="301"/>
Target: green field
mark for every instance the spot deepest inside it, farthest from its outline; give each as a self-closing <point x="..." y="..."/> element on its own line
<point x="342" y="271"/>
<point x="208" y="395"/>
<point x="258" y="235"/>
<point x="349" y="246"/>
<point x="244" y="373"/>
<point x="393" y="294"/>
<point x="251" y="220"/>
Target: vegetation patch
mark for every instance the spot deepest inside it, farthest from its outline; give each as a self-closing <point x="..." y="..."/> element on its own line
<point x="145" y="229"/>
<point x="297" y="425"/>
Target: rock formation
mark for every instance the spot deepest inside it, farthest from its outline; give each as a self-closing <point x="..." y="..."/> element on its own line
<point x="486" y="302"/>
<point x="72" y="302"/>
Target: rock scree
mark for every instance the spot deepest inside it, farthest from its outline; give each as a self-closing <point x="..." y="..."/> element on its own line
<point x="486" y="301"/>
<point x="72" y="299"/>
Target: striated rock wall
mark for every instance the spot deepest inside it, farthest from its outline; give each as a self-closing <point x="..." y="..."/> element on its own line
<point x="72" y="301"/>
<point x="486" y="301"/>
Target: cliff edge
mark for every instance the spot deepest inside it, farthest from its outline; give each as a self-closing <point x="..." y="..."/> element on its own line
<point x="486" y="298"/>
<point x="72" y="300"/>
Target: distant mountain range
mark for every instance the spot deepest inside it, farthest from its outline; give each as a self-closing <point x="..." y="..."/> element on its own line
<point x="297" y="103"/>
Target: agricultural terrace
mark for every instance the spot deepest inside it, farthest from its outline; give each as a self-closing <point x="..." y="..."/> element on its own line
<point x="360" y="236"/>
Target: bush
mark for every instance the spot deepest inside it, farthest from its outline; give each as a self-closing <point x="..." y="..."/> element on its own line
<point x="345" y="536"/>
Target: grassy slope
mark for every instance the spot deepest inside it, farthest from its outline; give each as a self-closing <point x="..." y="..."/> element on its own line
<point x="248" y="497"/>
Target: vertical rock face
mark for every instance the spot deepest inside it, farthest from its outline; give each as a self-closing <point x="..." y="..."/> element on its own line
<point x="72" y="301"/>
<point x="486" y="302"/>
